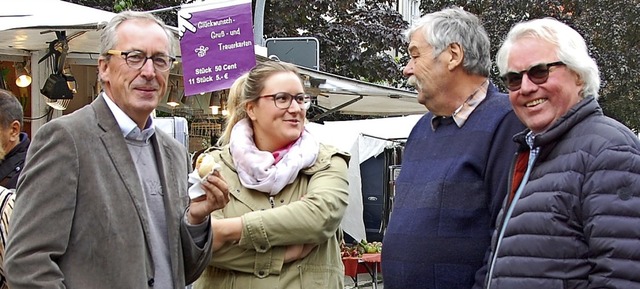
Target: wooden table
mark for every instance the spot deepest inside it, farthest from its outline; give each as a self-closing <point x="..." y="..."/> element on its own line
<point x="368" y="263"/>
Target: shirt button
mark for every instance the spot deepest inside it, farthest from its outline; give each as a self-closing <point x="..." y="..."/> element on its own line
<point x="150" y="282"/>
<point x="262" y="247"/>
<point x="261" y="273"/>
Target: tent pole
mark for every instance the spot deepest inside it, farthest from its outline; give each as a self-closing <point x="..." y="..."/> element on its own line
<point x="337" y="108"/>
<point x="258" y="23"/>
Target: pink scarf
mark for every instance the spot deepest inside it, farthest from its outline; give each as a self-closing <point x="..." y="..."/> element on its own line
<point x="259" y="170"/>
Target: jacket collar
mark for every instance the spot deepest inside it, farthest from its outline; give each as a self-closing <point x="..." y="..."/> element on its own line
<point x="583" y="109"/>
<point x="21" y="147"/>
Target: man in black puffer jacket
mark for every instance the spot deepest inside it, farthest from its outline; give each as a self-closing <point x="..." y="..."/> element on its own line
<point x="572" y="216"/>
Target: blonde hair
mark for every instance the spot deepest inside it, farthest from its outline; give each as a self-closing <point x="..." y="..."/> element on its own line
<point x="246" y="89"/>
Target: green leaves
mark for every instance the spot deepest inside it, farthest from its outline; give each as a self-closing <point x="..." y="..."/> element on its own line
<point x="353" y="37"/>
<point x="122" y="5"/>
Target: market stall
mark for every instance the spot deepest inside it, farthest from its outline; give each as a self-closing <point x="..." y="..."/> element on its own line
<point x="363" y="139"/>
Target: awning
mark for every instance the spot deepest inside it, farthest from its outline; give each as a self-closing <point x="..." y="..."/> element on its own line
<point x="352" y="96"/>
<point x="30" y="24"/>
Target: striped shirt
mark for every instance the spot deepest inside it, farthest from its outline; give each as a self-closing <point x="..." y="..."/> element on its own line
<point x="7" y="198"/>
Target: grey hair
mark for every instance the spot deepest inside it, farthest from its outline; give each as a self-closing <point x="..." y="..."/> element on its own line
<point x="10" y="109"/>
<point x="246" y="89"/>
<point x="571" y="49"/>
<point x="454" y="25"/>
<point x="109" y="35"/>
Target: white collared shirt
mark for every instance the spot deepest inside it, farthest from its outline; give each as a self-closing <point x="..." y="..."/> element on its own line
<point x="128" y="127"/>
<point x="461" y="114"/>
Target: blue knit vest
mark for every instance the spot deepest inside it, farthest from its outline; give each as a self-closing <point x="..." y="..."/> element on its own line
<point x="447" y="196"/>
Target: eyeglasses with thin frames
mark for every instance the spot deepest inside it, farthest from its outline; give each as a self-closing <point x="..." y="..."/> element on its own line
<point x="537" y="74"/>
<point x="137" y="59"/>
<point x="283" y="100"/>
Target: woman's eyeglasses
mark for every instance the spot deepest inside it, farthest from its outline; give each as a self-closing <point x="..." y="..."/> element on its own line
<point x="283" y="100"/>
<point x="538" y="74"/>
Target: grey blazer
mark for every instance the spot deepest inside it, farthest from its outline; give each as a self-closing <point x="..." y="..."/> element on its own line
<point x="79" y="220"/>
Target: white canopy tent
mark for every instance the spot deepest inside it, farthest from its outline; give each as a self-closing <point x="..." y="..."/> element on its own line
<point x="363" y="139"/>
<point x="28" y="26"/>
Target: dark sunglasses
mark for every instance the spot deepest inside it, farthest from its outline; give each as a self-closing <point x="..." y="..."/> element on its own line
<point x="538" y="74"/>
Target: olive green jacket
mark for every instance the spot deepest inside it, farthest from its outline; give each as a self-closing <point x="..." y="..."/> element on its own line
<point x="307" y="211"/>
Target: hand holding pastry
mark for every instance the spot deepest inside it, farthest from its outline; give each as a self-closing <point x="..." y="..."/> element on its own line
<point x="210" y="193"/>
<point x="206" y="164"/>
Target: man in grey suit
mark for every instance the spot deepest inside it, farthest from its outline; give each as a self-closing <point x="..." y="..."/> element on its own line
<point x="103" y="202"/>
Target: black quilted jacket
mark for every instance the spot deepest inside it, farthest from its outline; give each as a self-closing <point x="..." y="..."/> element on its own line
<point x="577" y="222"/>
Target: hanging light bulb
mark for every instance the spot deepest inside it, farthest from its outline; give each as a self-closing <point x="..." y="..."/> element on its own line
<point x="172" y="98"/>
<point x="223" y="105"/>
<point x="23" y="79"/>
<point x="214" y="100"/>
<point x="71" y="80"/>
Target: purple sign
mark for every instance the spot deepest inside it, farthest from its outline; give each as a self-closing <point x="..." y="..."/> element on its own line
<point x="217" y="48"/>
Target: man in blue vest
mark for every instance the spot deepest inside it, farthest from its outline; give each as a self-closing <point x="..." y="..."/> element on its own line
<point x="456" y="159"/>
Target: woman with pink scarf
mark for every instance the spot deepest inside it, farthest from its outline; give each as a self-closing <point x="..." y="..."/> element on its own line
<point x="288" y="192"/>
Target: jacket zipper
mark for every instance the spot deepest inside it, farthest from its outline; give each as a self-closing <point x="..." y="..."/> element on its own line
<point x="272" y="201"/>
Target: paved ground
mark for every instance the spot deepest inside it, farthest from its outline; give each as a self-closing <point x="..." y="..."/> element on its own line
<point x="364" y="282"/>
